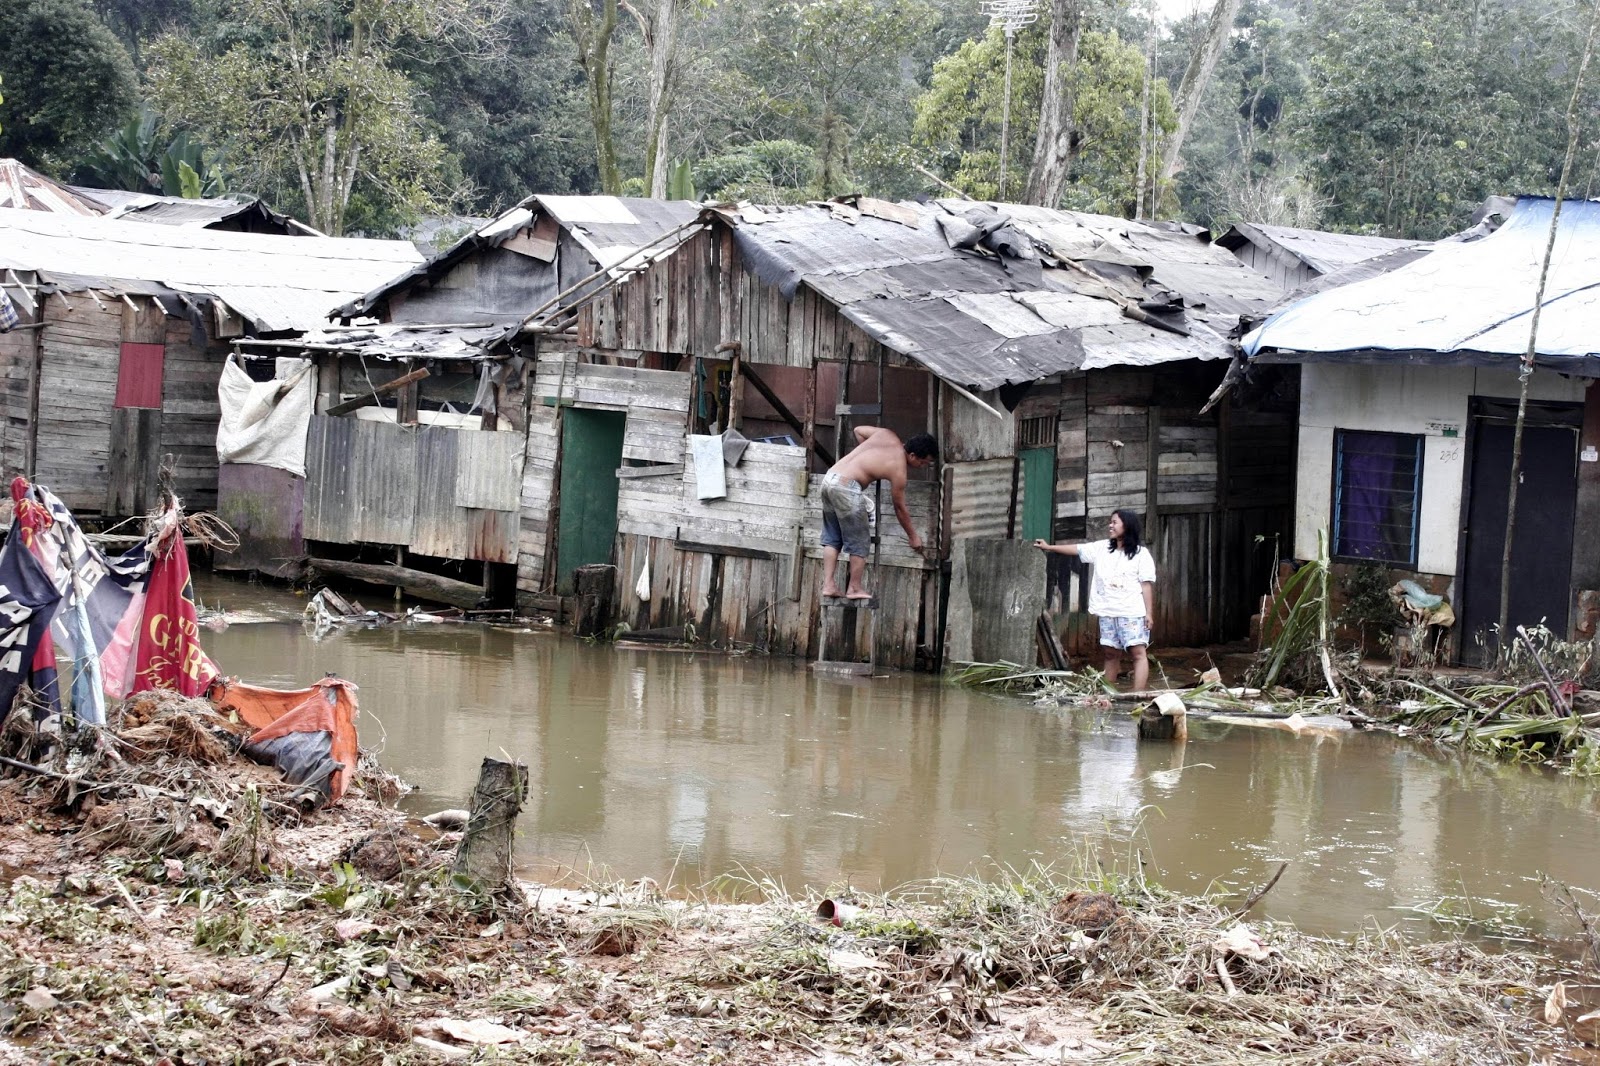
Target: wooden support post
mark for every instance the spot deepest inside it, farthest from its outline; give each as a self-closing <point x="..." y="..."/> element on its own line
<point x="809" y="427"/>
<point x="736" y="391"/>
<point x="328" y="368"/>
<point x="35" y="371"/>
<point x="406" y="399"/>
<point x="484" y="854"/>
<point x="596" y="587"/>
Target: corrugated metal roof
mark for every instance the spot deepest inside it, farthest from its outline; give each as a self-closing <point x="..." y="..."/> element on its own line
<point x="1466" y="303"/>
<point x="390" y="341"/>
<point x="1322" y="252"/>
<point x="610" y="228"/>
<point x="26" y="189"/>
<point x="202" y="212"/>
<point x="983" y="320"/>
<point x="279" y="283"/>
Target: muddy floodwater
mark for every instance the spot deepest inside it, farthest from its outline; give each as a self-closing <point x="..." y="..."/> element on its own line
<point x="691" y="767"/>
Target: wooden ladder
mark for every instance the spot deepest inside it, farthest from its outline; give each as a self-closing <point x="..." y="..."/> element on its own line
<point x="840" y="616"/>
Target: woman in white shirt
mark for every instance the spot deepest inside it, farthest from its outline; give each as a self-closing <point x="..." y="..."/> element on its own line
<point x="1121" y="593"/>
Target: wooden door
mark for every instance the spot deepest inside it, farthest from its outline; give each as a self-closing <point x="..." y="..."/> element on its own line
<point x="1038" y="493"/>
<point x="591" y="452"/>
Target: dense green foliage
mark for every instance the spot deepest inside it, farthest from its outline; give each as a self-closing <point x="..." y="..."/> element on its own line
<point x="68" y="81"/>
<point x="1383" y="116"/>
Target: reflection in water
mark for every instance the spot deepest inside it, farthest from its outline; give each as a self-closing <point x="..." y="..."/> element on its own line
<point x="698" y="765"/>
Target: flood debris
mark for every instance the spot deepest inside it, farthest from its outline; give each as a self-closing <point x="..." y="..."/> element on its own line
<point x="314" y="951"/>
<point x="1535" y="705"/>
<point x="327" y="611"/>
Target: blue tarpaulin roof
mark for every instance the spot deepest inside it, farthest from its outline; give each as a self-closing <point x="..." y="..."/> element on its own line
<point x="1461" y="304"/>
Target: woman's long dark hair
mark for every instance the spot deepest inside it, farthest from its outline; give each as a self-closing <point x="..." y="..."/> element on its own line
<point x="1132" y="533"/>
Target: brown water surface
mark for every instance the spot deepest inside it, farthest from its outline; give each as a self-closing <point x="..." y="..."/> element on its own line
<point x="691" y="766"/>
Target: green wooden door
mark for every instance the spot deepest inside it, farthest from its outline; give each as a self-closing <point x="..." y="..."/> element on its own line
<point x="1038" y="492"/>
<point x="591" y="452"/>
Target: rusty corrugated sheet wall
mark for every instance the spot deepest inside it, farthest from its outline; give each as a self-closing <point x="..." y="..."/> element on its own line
<point x="361" y="482"/>
<point x="980" y="498"/>
<point x="490" y="470"/>
<point x="378" y="483"/>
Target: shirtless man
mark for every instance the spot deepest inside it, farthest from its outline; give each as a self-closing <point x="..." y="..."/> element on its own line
<point x="846" y="514"/>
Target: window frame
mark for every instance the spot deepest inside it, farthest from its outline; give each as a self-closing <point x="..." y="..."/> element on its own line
<point x="1336" y="503"/>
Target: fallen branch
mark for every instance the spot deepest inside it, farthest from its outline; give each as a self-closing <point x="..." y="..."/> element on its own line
<point x="1256" y="896"/>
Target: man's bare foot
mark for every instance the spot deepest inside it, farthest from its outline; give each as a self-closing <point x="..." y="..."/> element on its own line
<point x="830" y="591"/>
<point x="858" y="594"/>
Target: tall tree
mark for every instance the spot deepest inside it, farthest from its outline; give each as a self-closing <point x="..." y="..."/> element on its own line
<point x="1196" y="78"/>
<point x="518" y="123"/>
<point x="317" y="101"/>
<point x="959" y="115"/>
<point x="658" y="25"/>
<point x="831" y="61"/>
<point x="594" y="24"/>
<point x="1053" y="145"/>
<point x="1418" y="109"/>
<point x="69" y="82"/>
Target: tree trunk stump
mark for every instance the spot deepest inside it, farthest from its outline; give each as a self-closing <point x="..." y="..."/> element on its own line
<point x="484" y="853"/>
<point x="596" y="586"/>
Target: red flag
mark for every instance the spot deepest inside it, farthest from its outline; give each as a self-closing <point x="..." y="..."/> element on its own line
<point x="169" y="654"/>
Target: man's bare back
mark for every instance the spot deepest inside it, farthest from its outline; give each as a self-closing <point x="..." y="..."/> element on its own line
<point x="879" y="455"/>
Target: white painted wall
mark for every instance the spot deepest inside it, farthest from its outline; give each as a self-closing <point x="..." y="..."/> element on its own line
<point x="1414" y="399"/>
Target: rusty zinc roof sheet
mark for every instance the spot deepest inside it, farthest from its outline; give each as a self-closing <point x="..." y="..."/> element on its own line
<point x="1082" y="292"/>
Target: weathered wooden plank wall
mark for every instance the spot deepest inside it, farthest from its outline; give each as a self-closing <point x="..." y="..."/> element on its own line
<point x="190" y="412"/>
<point x="77" y="384"/>
<point x="16" y="370"/>
<point x="656" y="403"/>
<point x="701" y="296"/>
<point x="538" y="489"/>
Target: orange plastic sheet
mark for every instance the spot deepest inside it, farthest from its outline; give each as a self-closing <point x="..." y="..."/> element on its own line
<point x="328" y="707"/>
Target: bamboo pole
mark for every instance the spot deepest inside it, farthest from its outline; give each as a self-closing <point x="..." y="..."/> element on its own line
<point x="1525" y="371"/>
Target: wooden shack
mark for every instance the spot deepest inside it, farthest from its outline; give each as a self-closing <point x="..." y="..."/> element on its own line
<point x="414" y="469"/>
<point x="125" y="327"/>
<point x="1063" y="360"/>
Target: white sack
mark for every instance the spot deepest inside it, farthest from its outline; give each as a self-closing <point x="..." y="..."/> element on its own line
<point x="265" y="422"/>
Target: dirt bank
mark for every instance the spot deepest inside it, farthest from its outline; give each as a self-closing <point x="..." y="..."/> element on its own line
<point x="170" y="905"/>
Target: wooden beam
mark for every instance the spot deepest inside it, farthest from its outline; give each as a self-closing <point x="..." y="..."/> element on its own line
<point x="786" y="414"/>
<point x="371" y="399"/>
<point x="420" y="584"/>
<point x="722" y="549"/>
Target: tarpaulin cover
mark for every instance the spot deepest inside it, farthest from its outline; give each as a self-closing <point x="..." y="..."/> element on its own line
<point x="265" y="422"/>
<point x="1467" y="304"/>
<point x="308" y="733"/>
<point x="99" y="603"/>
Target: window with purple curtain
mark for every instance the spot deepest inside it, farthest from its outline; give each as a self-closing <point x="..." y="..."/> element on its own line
<point x="1377" y="490"/>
